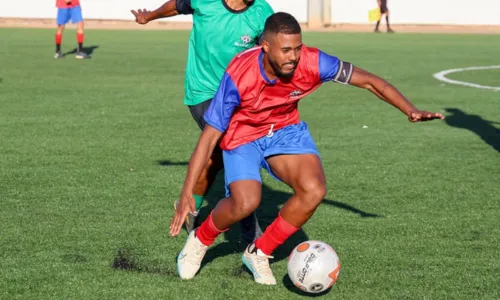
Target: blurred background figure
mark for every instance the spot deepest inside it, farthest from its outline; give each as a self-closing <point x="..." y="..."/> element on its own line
<point x="382" y="4"/>
<point x="69" y="10"/>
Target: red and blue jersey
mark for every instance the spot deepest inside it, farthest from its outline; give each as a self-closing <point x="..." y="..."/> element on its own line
<point x="63" y="4"/>
<point x="248" y="105"/>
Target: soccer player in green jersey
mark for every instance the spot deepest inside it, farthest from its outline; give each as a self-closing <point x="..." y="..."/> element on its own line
<point x="221" y="29"/>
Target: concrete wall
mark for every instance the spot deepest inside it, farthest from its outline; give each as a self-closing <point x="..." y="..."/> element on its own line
<point x="451" y="12"/>
<point x="446" y="12"/>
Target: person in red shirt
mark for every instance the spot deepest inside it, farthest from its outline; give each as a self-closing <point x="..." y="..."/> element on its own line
<point x="254" y="115"/>
<point x="69" y="10"/>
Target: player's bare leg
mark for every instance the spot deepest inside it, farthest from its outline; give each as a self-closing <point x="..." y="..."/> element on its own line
<point x="250" y="228"/>
<point x="244" y="200"/>
<point x="59" y="33"/>
<point x="304" y="174"/>
<point x="80" y="54"/>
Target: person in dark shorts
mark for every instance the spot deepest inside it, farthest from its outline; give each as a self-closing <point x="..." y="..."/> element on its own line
<point x="382" y="4"/>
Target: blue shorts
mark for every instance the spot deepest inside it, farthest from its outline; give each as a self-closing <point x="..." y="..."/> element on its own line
<point x="64" y="15"/>
<point x="245" y="161"/>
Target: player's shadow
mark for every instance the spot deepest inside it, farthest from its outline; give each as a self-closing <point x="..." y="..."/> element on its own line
<point x="266" y="213"/>
<point x="292" y="288"/>
<point x="167" y="163"/>
<point x="483" y="128"/>
<point x="88" y="50"/>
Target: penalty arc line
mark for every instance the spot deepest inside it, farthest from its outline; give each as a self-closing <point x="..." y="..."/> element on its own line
<point x="442" y="77"/>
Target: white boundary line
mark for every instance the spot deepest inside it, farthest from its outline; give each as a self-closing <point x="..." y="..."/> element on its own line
<point x="442" y="77"/>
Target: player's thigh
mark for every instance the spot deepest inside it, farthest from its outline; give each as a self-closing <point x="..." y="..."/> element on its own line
<point x="292" y="156"/>
<point x="76" y="15"/>
<point x="302" y="172"/>
<point x="63" y="16"/>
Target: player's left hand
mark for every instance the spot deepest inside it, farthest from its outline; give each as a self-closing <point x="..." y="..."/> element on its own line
<point x="186" y="204"/>
<point x="422" y="116"/>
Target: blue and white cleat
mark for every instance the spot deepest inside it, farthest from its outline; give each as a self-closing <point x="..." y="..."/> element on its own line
<point x="189" y="260"/>
<point x="258" y="263"/>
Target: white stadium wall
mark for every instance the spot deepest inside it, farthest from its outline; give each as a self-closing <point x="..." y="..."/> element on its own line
<point x="120" y="9"/>
<point x="445" y="12"/>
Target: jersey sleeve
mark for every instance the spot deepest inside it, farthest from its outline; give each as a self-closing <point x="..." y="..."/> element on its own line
<point x="333" y="69"/>
<point x="184" y="7"/>
<point x="223" y="104"/>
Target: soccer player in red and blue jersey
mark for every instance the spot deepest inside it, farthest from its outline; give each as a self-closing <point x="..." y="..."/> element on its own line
<point x="255" y="113"/>
<point x="69" y="10"/>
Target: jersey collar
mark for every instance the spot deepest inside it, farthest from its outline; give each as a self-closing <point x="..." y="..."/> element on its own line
<point x="229" y="9"/>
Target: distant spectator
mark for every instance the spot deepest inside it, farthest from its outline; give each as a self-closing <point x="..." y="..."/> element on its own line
<point x="382" y="4"/>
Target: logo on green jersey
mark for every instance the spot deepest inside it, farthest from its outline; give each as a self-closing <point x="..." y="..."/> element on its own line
<point x="246" y="41"/>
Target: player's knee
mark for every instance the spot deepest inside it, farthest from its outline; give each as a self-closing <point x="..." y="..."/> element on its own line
<point x="79" y="26"/>
<point x="313" y="192"/>
<point x="244" y="206"/>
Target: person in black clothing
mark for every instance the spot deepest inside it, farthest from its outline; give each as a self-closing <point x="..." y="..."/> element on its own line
<point x="382" y="4"/>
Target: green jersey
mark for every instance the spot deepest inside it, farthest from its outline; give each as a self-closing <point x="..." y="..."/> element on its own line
<point x="218" y="34"/>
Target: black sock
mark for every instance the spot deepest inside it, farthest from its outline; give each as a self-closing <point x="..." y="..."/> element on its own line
<point x="387" y="21"/>
<point x="376" y="26"/>
<point x="58" y="47"/>
<point x="80" y="47"/>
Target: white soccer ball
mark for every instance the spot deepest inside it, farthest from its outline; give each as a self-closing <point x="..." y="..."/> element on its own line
<point x="313" y="266"/>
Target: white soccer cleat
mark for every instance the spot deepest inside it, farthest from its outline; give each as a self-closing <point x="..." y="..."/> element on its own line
<point x="258" y="263"/>
<point x="189" y="260"/>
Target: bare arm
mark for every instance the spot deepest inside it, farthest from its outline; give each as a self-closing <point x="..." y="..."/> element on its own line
<point x="385" y="91"/>
<point x="168" y="9"/>
<point x="206" y="144"/>
<point x="199" y="158"/>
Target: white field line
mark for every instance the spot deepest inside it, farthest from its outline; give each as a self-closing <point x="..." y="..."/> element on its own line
<point x="442" y="77"/>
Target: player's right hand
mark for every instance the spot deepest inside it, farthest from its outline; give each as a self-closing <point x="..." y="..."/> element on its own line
<point x="186" y="204"/>
<point x="141" y="16"/>
<point x="422" y="116"/>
